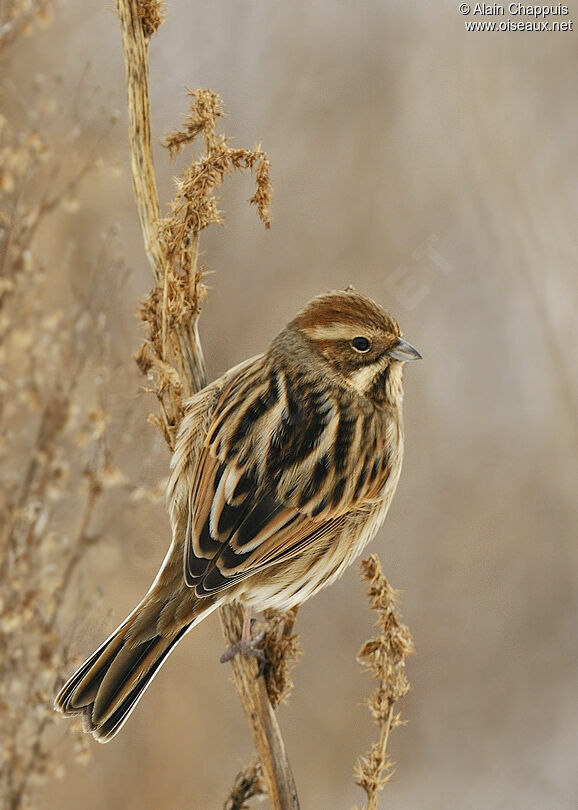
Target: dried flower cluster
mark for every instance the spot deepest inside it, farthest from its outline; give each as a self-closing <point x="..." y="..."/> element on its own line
<point x="172" y="308"/>
<point x="195" y="206"/>
<point x="384" y="658"/>
<point x="282" y="651"/>
<point x="248" y="783"/>
<point x="152" y="14"/>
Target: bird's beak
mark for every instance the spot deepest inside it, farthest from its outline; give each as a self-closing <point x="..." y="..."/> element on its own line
<point x="403" y="351"/>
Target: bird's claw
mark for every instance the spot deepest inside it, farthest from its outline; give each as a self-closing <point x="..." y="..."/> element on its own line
<point x="247" y="648"/>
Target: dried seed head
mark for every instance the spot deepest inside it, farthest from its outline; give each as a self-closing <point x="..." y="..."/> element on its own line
<point x="282" y="651"/>
<point x="384" y="658"/>
<point x="152" y="14"/>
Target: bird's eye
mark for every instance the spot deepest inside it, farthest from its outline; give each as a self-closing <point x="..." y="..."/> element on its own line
<point x="361" y="344"/>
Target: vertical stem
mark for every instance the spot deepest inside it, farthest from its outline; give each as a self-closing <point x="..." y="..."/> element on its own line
<point x="186" y="348"/>
<point x="136" y="48"/>
<point x="373" y="799"/>
<point x="264" y="727"/>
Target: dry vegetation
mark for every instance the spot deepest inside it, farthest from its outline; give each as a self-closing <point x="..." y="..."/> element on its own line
<point x="59" y="470"/>
<point x="60" y="486"/>
<point x="171" y="354"/>
<point x="433" y="169"/>
<point x="57" y="466"/>
<point x="384" y="658"/>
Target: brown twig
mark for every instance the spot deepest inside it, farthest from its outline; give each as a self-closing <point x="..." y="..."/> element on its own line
<point x="172" y="352"/>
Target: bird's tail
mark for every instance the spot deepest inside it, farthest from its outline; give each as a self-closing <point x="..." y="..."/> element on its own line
<point x="107" y="687"/>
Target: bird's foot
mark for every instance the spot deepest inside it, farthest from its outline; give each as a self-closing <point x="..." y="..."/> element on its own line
<point x="247" y="646"/>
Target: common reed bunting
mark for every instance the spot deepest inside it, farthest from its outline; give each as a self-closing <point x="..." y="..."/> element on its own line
<point x="284" y="469"/>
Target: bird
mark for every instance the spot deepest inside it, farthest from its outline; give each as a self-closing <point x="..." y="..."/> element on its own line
<point x="283" y="470"/>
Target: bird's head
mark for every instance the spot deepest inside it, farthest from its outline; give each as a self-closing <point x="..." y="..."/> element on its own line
<point x="357" y="337"/>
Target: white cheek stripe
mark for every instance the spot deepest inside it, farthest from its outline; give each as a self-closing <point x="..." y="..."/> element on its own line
<point x="363" y="377"/>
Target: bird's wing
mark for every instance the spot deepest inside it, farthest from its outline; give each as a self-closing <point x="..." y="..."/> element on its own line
<point x="275" y="474"/>
<point x="199" y="415"/>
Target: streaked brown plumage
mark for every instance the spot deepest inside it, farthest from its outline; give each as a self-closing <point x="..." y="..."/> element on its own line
<point x="284" y="469"/>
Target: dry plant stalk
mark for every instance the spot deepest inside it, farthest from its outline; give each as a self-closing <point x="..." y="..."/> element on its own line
<point x="384" y="658"/>
<point x="280" y="645"/>
<point x="171" y="355"/>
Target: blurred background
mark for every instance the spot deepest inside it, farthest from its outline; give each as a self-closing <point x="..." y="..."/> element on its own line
<point x="435" y="169"/>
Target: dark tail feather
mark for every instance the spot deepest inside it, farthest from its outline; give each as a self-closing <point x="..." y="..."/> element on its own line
<point x="110" y="683"/>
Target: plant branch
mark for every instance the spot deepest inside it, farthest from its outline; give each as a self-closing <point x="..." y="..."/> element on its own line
<point x="172" y="352"/>
<point x="135" y="45"/>
<point x="265" y="729"/>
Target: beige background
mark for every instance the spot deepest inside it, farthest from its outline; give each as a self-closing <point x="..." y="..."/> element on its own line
<point x="436" y="170"/>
